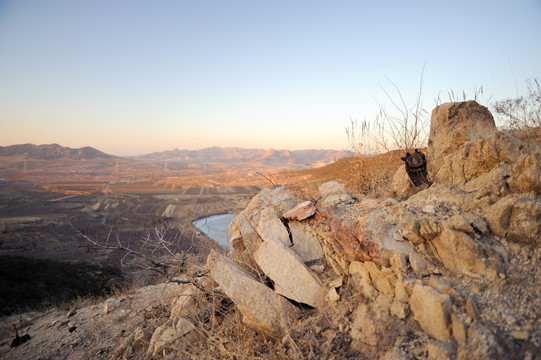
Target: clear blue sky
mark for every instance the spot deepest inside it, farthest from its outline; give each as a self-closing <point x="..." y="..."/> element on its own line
<point x="132" y="77"/>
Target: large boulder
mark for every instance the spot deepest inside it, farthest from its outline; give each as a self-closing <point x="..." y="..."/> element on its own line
<point x="452" y="125"/>
<point x="464" y="145"/>
<point x="243" y="229"/>
<point x="262" y="308"/>
<point x="370" y="326"/>
<point x="516" y="217"/>
<point x="402" y="186"/>
<point x="526" y="174"/>
<point x="291" y="277"/>
<point x="305" y="242"/>
<point x="270" y="227"/>
<point x="432" y="311"/>
<point x="460" y="253"/>
<point x="296" y="235"/>
<point x="363" y="235"/>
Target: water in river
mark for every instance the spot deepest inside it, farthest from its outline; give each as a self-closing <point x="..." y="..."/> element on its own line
<point x="216" y="227"/>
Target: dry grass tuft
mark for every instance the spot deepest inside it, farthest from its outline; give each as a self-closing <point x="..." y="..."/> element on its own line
<point x="367" y="176"/>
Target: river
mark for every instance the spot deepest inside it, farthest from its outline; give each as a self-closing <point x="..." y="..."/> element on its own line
<point x="216" y="227"/>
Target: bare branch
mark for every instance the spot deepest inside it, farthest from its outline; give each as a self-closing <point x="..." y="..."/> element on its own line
<point x="401" y="127"/>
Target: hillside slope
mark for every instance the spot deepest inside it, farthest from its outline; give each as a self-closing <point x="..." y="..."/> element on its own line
<point x="51" y="152"/>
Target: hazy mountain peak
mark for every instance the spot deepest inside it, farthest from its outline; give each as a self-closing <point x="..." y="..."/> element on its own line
<point x="52" y="152"/>
<point x="239" y="156"/>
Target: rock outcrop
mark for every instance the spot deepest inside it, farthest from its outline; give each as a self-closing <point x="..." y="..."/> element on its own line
<point x="414" y="262"/>
<point x="243" y="230"/>
<point x="332" y="193"/>
<point x="263" y="309"/>
<point x="432" y="310"/>
<point x="292" y="278"/>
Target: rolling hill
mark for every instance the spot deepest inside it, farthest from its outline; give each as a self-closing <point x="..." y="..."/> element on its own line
<point x="51" y="152"/>
<point x="237" y="156"/>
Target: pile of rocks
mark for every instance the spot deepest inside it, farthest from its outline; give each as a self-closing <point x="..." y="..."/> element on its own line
<point x="438" y="264"/>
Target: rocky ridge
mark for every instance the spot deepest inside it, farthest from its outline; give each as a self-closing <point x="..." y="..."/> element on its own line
<point x="449" y="271"/>
<point x="456" y="263"/>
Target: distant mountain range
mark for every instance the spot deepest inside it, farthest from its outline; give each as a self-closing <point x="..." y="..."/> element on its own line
<point x="230" y="156"/>
<point x="235" y="155"/>
<point x="52" y="152"/>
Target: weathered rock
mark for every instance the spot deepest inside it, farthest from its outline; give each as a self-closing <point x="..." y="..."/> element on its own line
<point x="300" y="212"/>
<point x="400" y="292"/>
<point x="466" y="149"/>
<point x="262" y="308"/>
<point x="520" y="334"/>
<point x="409" y="229"/>
<point x="526" y="174"/>
<point x="394" y="354"/>
<point x="186" y="330"/>
<point x="459" y="329"/>
<point x="332" y="295"/>
<point x="109" y="305"/>
<point x="336" y="283"/>
<point x="491" y="185"/>
<point x="429" y="209"/>
<point x="141" y="339"/>
<point x="173" y="335"/>
<point x="360" y="279"/>
<point x="460" y="253"/>
<point x="443" y="288"/>
<point x="438" y="350"/>
<point x="429" y="228"/>
<point x="305" y="242"/>
<point x="452" y="125"/>
<point x="419" y="264"/>
<point x="471" y="308"/>
<point x="458" y="223"/>
<point x="483" y="344"/>
<point x="242" y="232"/>
<point x="183" y="303"/>
<point x="291" y="277"/>
<point x="332" y="193"/>
<point x="516" y="217"/>
<point x="401" y="186"/>
<point x="120" y="348"/>
<point x="399" y="309"/>
<point x="398" y="262"/>
<point x="370" y="322"/>
<point x="379" y="279"/>
<point x="163" y="336"/>
<point x="271" y="228"/>
<point x="431" y="310"/>
<point x="345" y="236"/>
<point x="370" y="238"/>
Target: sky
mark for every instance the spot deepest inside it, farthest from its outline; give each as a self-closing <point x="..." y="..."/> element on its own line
<point x="131" y="77"/>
